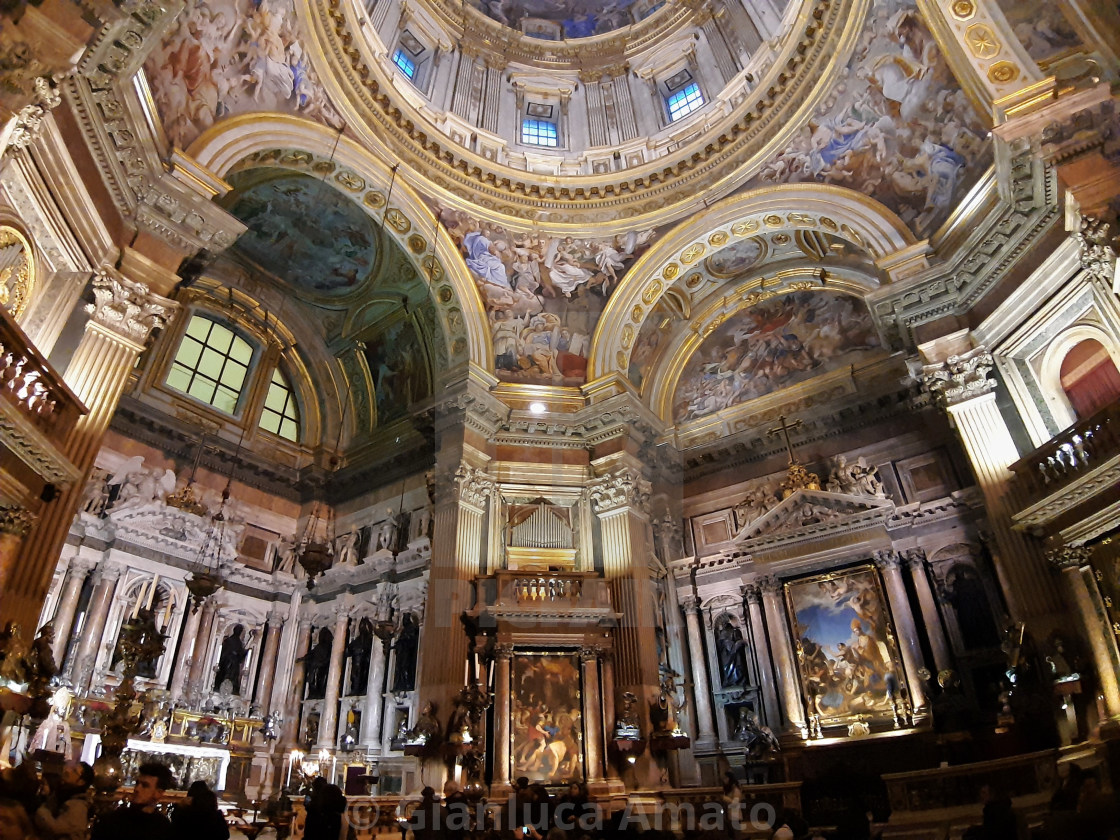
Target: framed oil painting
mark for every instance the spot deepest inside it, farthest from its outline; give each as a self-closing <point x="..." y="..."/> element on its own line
<point x="547" y="731"/>
<point x="845" y="642"/>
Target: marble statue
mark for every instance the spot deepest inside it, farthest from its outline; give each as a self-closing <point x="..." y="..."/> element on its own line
<point x="231" y="659"/>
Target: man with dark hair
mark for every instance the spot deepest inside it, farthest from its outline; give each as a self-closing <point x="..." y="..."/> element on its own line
<point x="140" y="819"/>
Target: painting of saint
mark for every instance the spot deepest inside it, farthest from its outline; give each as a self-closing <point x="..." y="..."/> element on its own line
<point x="735" y="258"/>
<point x="543" y="294"/>
<point x="849" y="661"/>
<point x="895" y="126"/>
<point x="775" y="343"/>
<point x="227" y="57"/>
<point x="547" y="731"/>
<point x="301" y="230"/>
<point x="397" y="365"/>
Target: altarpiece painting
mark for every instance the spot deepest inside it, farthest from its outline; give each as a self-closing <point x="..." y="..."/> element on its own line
<point x="849" y="662"/>
<point x="547" y="729"/>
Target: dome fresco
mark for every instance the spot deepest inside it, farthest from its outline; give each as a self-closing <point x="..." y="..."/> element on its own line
<point x="556" y="19"/>
<point x="778" y="342"/>
<point x="303" y="231"/>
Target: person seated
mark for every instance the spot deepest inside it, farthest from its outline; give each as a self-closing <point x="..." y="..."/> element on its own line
<point x="140" y="819"/>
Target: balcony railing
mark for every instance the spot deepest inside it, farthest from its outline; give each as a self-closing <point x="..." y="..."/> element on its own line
<point x="529" y="595"/>
<point x="31" y="388"/>
<point x="1069" y="455"/>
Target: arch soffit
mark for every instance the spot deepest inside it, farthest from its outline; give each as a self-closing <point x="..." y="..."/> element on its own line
<point x="822" y="207"/>
<point x="288" y="142"/>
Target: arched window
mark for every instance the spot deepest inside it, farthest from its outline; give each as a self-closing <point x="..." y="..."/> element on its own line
<point x="1090" y="378"/>
<point x="212" y="364"/>
<point x="280" y="414"/>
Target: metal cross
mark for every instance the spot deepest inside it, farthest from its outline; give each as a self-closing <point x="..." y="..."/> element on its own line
<point x="784" y="430"/>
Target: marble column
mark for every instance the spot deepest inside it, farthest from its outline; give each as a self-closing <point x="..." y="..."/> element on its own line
<point x="328" y="721"/>
<point x="93" y="628"/>
<point x="592" y="714"/>
<point x="187" y="638"/>
<point x="63" y="619"/>
<point x="705" y="730"/>
<point x="294" y="698"/>
<point x="269" y="652"/>
<point x="905" y="630"/>
<point x="961" y="384"/>
<point x="788" y="680"/>
<point x="503" y="655"/>
<point x="1073" y="562"/>
<point x="375" y="698"/>
<point x="753" y="597"/>
<point x="606" y="680"/>
<point x="931" y="618"/>
<point x="198" y="677"/>
<point x="122" y="318"/>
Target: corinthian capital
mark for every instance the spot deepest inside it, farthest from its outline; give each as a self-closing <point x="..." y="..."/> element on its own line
<point x="475" y="486"/>
<point x="29" y="120"/>
<point x="960" y="378"/>
<point x="129" y="309"/>
<point x="15" y="520"/>
<point x="1098" y="255"/>
<point x="1069" y="556"/>
<point x="623" y="487"/>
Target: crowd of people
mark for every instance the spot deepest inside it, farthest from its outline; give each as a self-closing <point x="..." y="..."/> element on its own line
<point x="59" y="806"/>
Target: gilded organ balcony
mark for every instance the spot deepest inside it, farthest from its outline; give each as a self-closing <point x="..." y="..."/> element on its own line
<point x="1074" y="475"/>
<point x="37" y="412"/>
<point x="524" y="597"/>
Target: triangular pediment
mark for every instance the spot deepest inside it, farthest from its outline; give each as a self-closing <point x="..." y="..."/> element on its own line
<point x="807" y="511"/>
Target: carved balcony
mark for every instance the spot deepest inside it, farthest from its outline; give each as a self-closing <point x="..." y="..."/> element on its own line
<point x="37" y="409"/>
<point x="1074" y="475"/>
<point x="523" y="598"/>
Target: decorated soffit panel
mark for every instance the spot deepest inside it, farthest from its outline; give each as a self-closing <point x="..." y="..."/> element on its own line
<point x="304" y="232"/>
<point x="1042" y="27"/>
<point x="228" y="57"/>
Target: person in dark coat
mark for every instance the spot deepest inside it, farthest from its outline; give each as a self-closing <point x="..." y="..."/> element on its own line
<point x="140" y="819"/>
<point x="426" y="816"/>
<point x="199" y="818"/>
<point x="324" y="811"/>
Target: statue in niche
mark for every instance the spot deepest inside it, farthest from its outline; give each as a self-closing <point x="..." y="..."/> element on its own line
<point x="964" y="590"/>
<point x="424" y="523"/>
<point x="404" y="672"/>
<point x="387" y="534"/>
<point x="230" y="660"/>
<point x="316" y="665"/>
<point x="731" y="652"/>
<point x="346" y="549"/>
<point x="358" y="652"/>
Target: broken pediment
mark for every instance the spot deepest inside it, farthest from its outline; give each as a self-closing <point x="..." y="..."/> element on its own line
<point x="809" y="511"/>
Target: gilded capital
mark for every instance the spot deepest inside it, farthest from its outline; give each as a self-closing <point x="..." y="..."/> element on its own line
<point x="690" y="604"/>
<point x="129" y="309"/>
<point x="15" y="520"/>
<point x="960" y="378"/>
<point x="1069" y="556"/>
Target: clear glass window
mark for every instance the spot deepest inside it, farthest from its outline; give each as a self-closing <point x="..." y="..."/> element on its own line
<point x="684" y="102"/>
<point x="403" y="61"/>
<point x="539" y="133"/>
<point x="212" y="364"/>
<point x="281" y="413"/>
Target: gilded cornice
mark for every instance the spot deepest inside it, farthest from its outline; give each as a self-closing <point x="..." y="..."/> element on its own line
<point x="722" y="158"/>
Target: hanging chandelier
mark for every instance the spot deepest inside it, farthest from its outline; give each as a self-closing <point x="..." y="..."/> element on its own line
<point x="315" y="550"/>
<point x="206" y="574"/>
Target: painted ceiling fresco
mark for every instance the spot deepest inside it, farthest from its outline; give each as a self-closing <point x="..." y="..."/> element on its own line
<point x="1041" y="26"/>
<point x="229" y="57"/>
<point x="302" y="231"/>
<point x="895" y="125"/>
<point x="773" y="344"/>
<point x="543" y="294"/>
<point x="571" y="18"/>
<point x="400" y="374"/>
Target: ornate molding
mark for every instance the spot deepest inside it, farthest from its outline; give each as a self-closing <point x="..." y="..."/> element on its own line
<point x="915" y="558"/>
<point x="752" y="594"/>
<point x="1098" y="254"/>
<point x="770" y="584"/>
<point x="129" y="309"/>
<point x="474" y="485"/>
<point x="107" y="572"/>
<point x="960" y="378"/>
<point x="622" y="488"/>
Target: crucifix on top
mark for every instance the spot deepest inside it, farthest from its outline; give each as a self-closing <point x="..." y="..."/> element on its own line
<point x="797" y="477"/>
